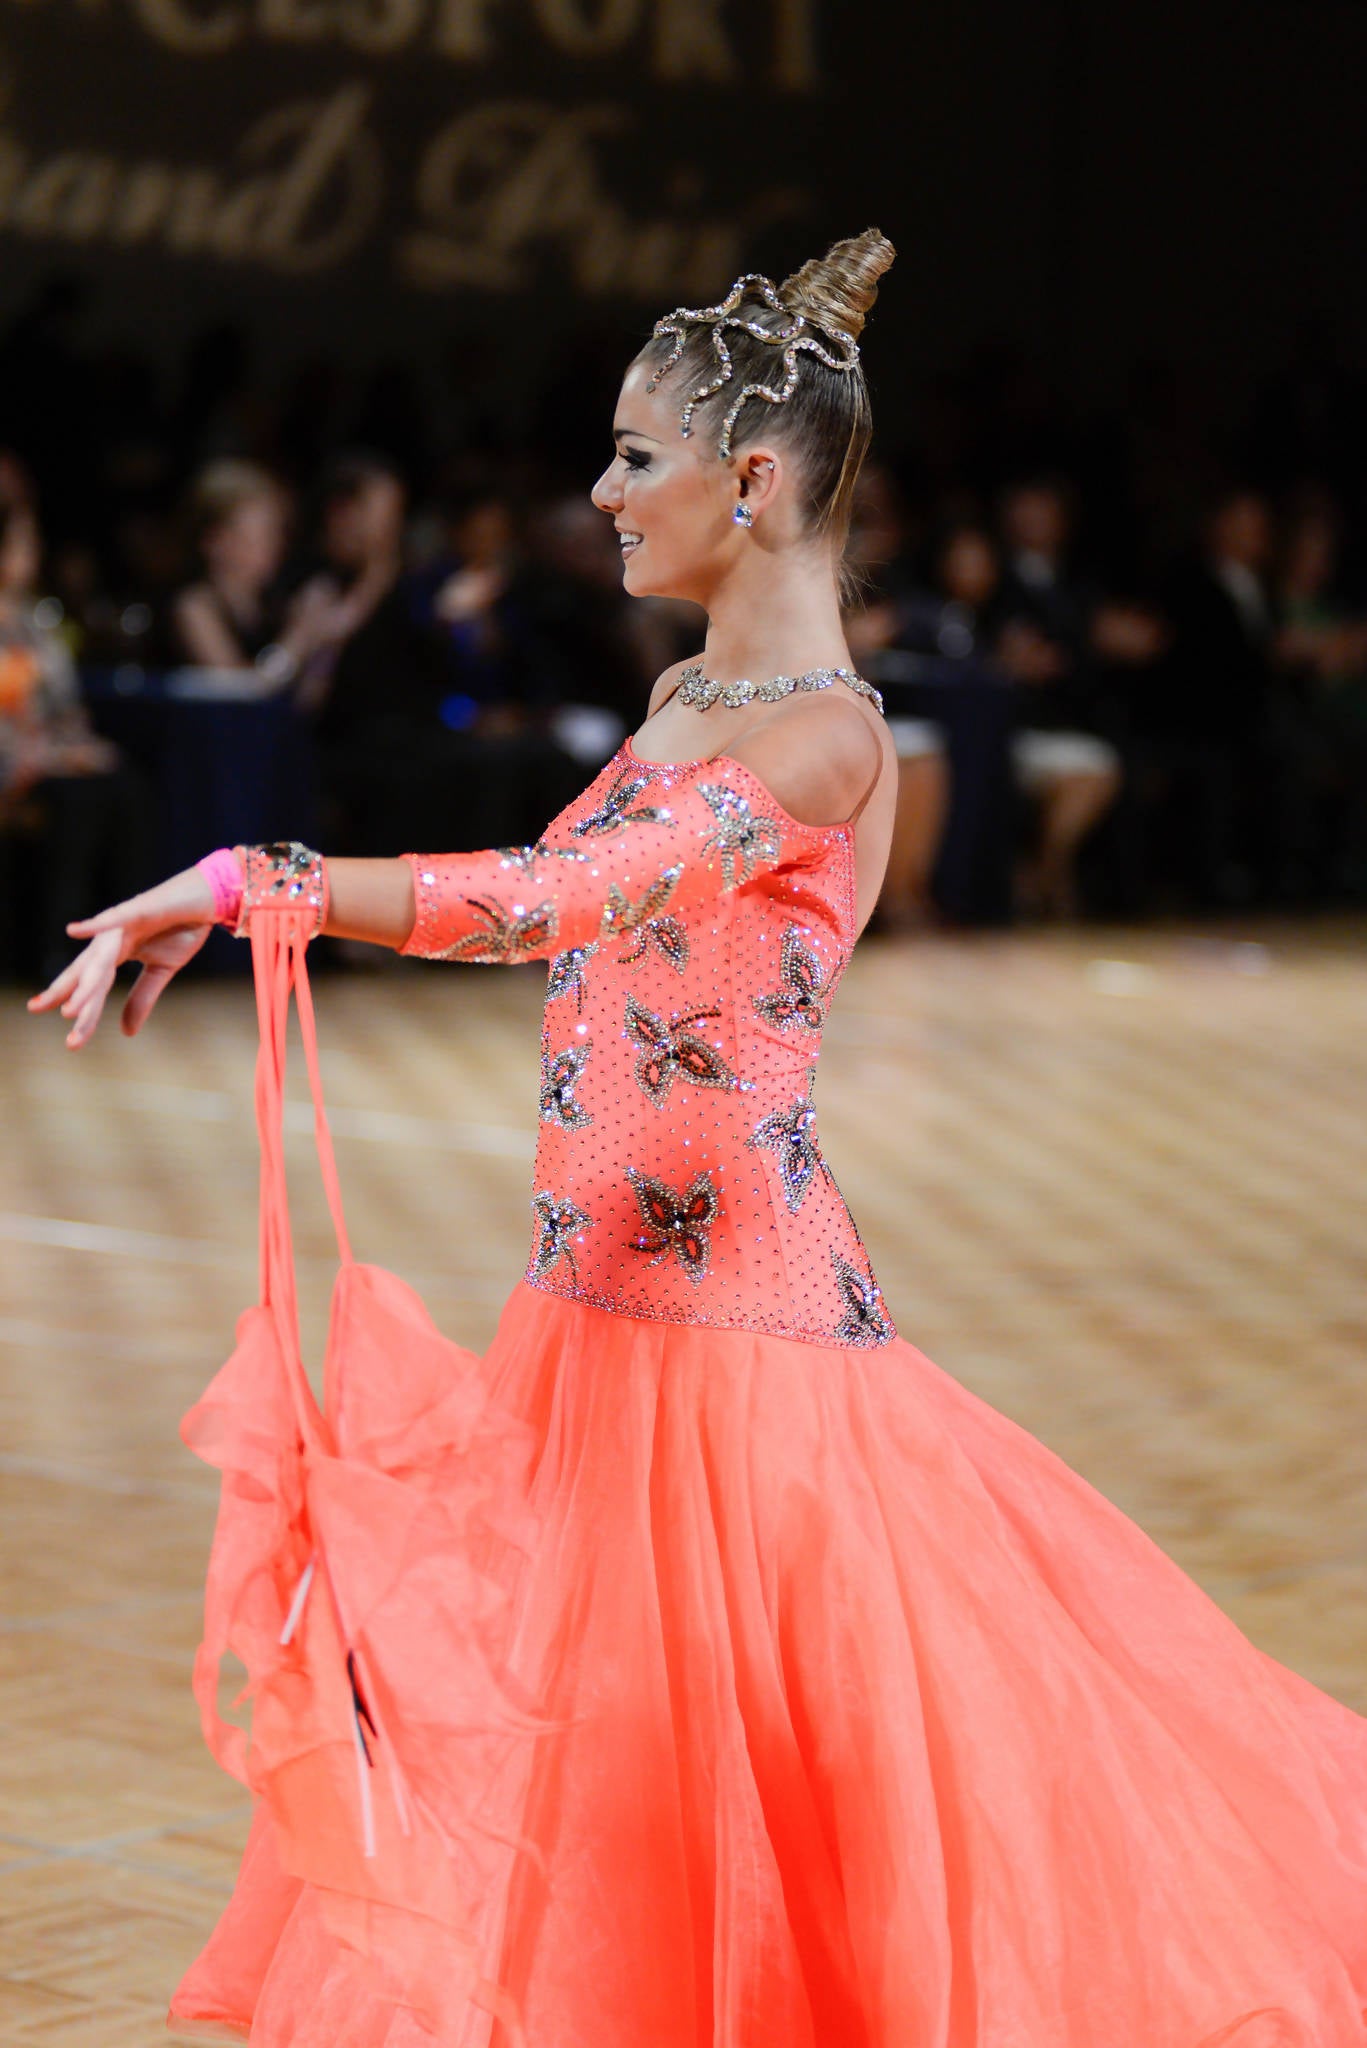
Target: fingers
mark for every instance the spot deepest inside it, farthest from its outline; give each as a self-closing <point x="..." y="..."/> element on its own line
<point x="57" y="991"/>
<point x="86" y="1017"/>
<point x="81" y="987"/>
<point x="84" y="1008"/>
<point x="98" y="965"/>
<point x="115" y="918"/>
<point x="142" y="997"/>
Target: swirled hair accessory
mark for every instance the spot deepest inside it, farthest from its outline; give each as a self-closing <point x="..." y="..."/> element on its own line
<point x="794" y="337"/>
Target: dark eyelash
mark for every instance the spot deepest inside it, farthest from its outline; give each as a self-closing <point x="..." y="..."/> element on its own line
<point x="636" y="458"/>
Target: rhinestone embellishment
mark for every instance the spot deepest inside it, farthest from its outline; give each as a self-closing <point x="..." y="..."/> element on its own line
<point x="799" y="1002"/>
<point x="864" y="1320"/>
<point x="672" y="1050"/>
<point x="643" y="921"/>
<point x="676" y="1223"/>
<point x="559" y="1078"/>
<point x="525" y="858"/>
<point x="836" y="350"/>
<point x="283" y="873"/>
<point x="619" y="807"/>
<point x="743" y="838"/>
<point x="557" y="1223"/>
<point x="791" y="1136"/>
<point x="567" y="972"/>
<point x="704" y="691"/>
<point x="505" y="935"/>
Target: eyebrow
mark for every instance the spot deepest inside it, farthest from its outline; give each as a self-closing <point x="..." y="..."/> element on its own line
<point x="619" y="432"/>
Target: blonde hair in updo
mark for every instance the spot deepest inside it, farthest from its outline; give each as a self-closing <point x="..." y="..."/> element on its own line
<point x="827" y="423"/>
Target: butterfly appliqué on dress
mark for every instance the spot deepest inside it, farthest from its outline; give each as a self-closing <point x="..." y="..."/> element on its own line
<point x="670" y="1049"/>
<point x="667" y="935"/>
<point x="615" y="810"/>
<point x="560" y="1074"/>
<point x="790" y="1134"/>
<point x="567" y="972"/>
<point x="864" y="1320"/>
<point x="800" y="1001"/>
<point x="506" y="936"/>
<point x="743" y="837"/>
<point x="677" y="1223"/>
<point x="557" y="1223"/>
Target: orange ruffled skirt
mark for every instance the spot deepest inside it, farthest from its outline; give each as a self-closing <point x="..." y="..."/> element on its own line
<point x="878" y="1727"/>
<point x="641" y="1685"/>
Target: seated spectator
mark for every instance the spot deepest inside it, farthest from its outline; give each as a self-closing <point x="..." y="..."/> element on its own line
<point x="417" y="747"/>
<point x="1061" y="757"/>
<point x="368" y="674"/>
<point x="462" y="596"/>
<point x="1070" y="773"/>
<point x="233" y="616"/>
<point x="374" y="691"/>
<point x="876" y="556"/>
<point x="1320" y="648"/>
<point x="1036" y="520"/>
<point x="1212" y="713"/>
<point x="60" y="784"/>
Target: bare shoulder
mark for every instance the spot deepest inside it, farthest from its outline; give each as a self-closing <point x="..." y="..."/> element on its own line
<point x="665" y="683"/>
<point x="818" y="755"/>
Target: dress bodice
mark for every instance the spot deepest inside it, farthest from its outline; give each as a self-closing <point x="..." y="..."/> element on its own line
<point x="696" y="934"/>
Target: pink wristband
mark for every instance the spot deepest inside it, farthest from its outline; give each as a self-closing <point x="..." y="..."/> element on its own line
<point x="224" y="871"/>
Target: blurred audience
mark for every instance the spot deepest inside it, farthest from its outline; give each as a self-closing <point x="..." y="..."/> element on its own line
<point x="233" y="616"/>
<point x="66" y="796"/>
<point x="880" y="574"/>
<point x="1030" y="634"/>
<point x="1054" y="626"/>
<point x="1319" y="652"/>
<point x="1124" y="656"/>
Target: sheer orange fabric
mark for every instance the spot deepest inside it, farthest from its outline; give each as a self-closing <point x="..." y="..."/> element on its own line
<point x="670" y="1680"/>
<point x="347" y="1538"/>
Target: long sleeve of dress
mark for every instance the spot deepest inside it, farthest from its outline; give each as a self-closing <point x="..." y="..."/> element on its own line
<point x="655" y="845"/>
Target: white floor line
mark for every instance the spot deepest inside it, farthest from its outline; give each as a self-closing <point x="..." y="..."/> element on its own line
<point x="67" y="1234"/>
<point x="27" y="1333"/>
<point x="379" y="1126"/>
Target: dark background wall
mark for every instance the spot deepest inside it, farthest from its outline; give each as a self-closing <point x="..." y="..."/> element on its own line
<point x="471" y="184"/>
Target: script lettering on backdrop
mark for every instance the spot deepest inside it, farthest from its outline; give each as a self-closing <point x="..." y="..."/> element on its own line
<point x="478" y="201"/>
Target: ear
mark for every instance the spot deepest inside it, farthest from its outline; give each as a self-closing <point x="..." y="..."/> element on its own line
<point x="759" y="473"/>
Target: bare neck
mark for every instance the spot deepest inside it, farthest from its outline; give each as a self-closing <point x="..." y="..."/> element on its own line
<point x="776" y="614"/>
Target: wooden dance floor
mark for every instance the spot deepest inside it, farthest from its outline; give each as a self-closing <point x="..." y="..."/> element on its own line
<point x="1116" y="1183"/>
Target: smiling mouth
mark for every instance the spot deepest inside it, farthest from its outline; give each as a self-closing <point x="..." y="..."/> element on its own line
<point x="630" y="542"/>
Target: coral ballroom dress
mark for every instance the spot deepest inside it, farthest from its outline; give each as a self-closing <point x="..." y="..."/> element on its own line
<point x="702" y="1666"/>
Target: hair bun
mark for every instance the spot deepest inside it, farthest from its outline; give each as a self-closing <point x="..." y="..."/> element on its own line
<point x="837" y="290"/>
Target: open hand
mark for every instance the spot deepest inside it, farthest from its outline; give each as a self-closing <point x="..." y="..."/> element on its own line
<point x="163" y="928"/>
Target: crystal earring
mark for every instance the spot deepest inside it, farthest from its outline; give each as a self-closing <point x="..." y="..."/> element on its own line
<point x="742" y="515"/>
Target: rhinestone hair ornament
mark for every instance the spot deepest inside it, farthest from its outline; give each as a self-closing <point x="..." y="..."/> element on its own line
<point x="793" y="338"/>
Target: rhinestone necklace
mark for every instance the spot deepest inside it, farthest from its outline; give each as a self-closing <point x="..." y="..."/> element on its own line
<point x="703" y="691"/>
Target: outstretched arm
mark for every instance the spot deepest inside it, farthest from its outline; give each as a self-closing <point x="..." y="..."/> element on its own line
<point x="163" y="929"/>
<point x="634" y="860"/>
<point x="648" y="850"/>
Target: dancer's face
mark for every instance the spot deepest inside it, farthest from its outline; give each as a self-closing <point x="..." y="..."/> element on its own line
<point x="673" y="500"/>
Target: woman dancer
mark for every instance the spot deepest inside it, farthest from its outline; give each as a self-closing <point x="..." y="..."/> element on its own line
<point x="869" y="1723"/>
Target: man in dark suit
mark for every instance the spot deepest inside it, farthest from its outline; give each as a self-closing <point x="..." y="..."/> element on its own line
<point x="1212" y="711"/>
